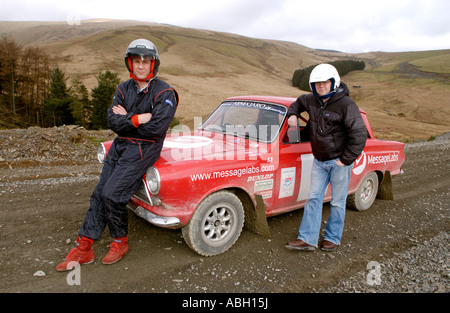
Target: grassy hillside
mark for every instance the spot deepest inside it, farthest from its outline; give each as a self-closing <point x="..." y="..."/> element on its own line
<point x="205" y="67"/>
<point x="405" y="94"/>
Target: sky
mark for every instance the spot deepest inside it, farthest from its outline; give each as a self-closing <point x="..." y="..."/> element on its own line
<point x="351" y="26"/>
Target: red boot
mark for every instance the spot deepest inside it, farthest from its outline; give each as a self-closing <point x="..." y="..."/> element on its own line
<point x="82" y="254"/>
<point x="118" y="248"/>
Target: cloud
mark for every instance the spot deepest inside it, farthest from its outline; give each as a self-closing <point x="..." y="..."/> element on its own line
<point x="346" y="25"/>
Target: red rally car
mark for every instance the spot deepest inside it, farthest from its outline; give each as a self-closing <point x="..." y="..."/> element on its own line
<point x="243" y="164"/>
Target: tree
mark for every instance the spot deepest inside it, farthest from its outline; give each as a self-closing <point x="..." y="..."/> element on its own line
<point x="35" y="75"/>
<point x="57" y="106"/>
<point x="24" y="77"/>
<point x="81" y="106"/>
<point x="9" y="63"/>
<point x="300" y="77"/>
<point x="102" y="97"/>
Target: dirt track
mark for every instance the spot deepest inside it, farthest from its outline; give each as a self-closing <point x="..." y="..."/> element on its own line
<point x="42" y="208"/>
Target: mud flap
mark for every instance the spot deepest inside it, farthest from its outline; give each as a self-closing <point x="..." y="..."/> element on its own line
<point x="385" y="191"/>
<point x="256" y="220"/>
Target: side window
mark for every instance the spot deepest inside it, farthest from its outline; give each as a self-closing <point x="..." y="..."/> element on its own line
<point x="298" y="134"/>
<point x="292" y="135"/>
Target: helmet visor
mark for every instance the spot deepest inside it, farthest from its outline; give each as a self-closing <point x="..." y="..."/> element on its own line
<point x="142" y="52"/>
<point x="141" y="57"/>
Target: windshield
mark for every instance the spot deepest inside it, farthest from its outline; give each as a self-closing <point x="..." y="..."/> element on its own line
<point x="253" y="120"/>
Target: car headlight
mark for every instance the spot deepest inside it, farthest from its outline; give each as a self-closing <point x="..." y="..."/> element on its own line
<point x="101" y="152"/>
<point x="153" y="180"/>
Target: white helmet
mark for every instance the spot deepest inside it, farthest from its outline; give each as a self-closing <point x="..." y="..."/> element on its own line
<point x="322" y="73"/>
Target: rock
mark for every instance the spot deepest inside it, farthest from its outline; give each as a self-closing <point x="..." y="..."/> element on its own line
<point x="39" y="274"/>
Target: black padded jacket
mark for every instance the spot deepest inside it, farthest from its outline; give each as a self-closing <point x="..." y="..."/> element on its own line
<point x="337" y="129"/>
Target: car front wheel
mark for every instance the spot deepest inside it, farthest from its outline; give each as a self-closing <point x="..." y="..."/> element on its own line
<point x="215" y="225"/>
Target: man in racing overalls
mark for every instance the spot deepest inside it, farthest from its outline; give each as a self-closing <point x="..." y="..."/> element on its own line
<point x="142" y="110"/>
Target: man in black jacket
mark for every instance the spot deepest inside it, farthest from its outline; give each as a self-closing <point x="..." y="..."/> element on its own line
<point x="142" y="110"/>
<point x="338" y="136"/>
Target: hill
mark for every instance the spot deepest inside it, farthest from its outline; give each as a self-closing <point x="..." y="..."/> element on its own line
<point x="403" y="102"/>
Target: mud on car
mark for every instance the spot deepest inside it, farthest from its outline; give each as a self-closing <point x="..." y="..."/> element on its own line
<point x="242" y="165"/>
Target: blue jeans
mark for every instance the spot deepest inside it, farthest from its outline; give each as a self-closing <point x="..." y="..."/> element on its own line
<point x="322" y="174"/>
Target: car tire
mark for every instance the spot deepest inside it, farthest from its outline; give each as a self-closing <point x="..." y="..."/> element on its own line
<point x="215" y="225"/>
<point x="366" y="193"/>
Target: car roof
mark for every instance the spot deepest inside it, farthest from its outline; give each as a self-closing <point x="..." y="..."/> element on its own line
<point x="286" y="101"/>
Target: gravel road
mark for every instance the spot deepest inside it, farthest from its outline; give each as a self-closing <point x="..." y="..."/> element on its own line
<point x="396" y="246"/>
<point x="423" y="268"/>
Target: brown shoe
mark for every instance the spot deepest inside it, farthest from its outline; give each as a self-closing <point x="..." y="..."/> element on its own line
<point x="328" y="246"/>
<point x="299" y="245"/>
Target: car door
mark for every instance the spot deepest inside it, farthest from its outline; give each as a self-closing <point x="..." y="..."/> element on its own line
<point x="293" y="171"/>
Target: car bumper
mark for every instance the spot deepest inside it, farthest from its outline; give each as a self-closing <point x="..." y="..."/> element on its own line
<point x="161" y="221"/>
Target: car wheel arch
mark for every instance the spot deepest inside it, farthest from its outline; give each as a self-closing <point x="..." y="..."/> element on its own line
<point x="247" y="200"/>
<point x="248" y="203"/>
